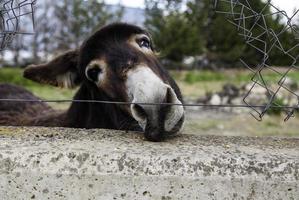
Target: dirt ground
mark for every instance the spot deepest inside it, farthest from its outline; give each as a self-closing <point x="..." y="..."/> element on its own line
<point x="219" y="122"/>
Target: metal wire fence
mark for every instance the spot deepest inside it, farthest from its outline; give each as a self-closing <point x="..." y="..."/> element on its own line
<point x="149" y="104"/>
<point x="15" y="17"/>
<point x="238" y="13"/>
<point x="252" y="26"/>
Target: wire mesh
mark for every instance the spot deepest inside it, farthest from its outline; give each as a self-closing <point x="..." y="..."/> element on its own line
<point x="15" y="19"/>
<point x="257" y="33"/>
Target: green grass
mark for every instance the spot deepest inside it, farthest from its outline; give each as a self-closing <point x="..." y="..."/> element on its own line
<point x="204" y="76"/>
<point x="232" y="76"/>
<point x="241" y="125"/>
<point x="14" y="76"/>
<point x="195" y="84"/>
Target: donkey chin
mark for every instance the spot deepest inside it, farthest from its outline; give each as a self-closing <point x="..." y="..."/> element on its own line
<point x="155" y="105"/>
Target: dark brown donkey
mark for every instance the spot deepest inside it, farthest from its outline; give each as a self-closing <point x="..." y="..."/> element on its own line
<point x="117" y="63"/>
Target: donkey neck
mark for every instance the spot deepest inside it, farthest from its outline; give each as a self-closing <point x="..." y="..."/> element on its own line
<point x="97" y="115"/>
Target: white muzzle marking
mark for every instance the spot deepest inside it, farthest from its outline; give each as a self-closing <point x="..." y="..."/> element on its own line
<point x="144" y="86"/>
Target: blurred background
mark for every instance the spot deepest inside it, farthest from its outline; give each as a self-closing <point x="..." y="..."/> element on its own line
<point x="199" y="47"/>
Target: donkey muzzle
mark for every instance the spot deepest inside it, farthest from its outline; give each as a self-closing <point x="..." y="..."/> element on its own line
<point x="153" y="103"/>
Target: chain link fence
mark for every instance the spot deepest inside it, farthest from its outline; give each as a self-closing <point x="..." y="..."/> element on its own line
<point x="253" y="26"/>
<point x="16" y="18"/>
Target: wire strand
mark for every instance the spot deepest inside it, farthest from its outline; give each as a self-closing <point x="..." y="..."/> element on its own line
<point x="149" y="104"/>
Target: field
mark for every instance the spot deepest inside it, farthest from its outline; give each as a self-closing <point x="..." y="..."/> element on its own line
<point x="198" y="83"/>
<point x="194" y="84"/>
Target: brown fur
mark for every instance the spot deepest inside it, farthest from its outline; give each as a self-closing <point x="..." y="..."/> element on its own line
<point x="23" y="113"/>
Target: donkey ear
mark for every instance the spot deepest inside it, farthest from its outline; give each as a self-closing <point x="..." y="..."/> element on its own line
<point x="61" y="71"/>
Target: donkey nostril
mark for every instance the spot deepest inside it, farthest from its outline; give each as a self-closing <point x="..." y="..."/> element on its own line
<point x="169" y="98"/>
<point x="138" y="112"/>
<point x="172" y="114"/>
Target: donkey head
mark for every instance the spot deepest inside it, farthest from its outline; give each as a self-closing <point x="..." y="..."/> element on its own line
<point x="119" y="60"/>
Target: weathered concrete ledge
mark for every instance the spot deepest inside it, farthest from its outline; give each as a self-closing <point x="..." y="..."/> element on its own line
<point x="56" y="163"/>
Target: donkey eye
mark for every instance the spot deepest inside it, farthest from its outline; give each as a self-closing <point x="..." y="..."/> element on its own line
<point x="144" y="42"/>
<point x="93" y="74"/>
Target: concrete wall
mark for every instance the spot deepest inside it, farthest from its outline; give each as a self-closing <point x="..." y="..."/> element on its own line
<point x="56" y="163"/>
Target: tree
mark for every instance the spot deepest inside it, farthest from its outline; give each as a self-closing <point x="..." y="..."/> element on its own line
<point x="224" y="40"/>
<point x="79" y="19"/>
<point x="1" y="38"/>
<point x="192" y="27"/>
<point x="172" y="31"/>
<point x="42" y="40"/>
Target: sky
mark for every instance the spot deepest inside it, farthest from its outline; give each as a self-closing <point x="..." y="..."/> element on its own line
<point x="287" y="5"/>
<point x="129" y="3"/>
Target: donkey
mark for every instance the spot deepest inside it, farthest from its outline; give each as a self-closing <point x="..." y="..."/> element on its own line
<point x="117" y="63"/>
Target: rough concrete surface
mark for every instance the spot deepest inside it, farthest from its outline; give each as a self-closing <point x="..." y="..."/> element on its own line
<point x="57" y="163"/>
